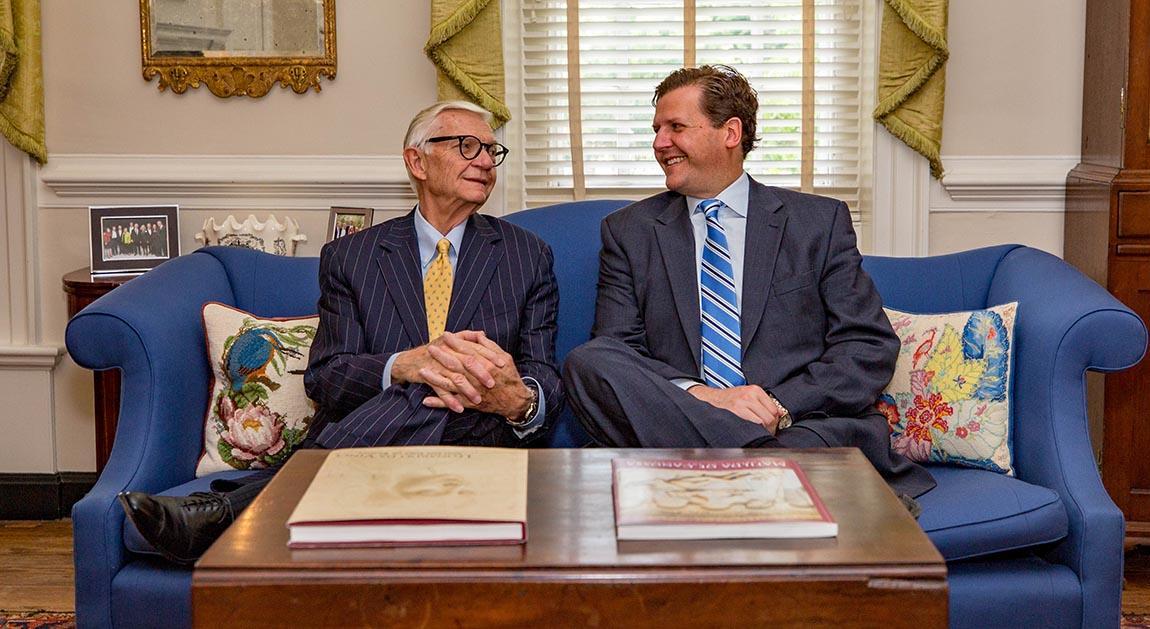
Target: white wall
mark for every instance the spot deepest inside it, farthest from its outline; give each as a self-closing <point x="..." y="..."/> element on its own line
<point x="1013" y="90"/>
<point x="1012" y="128"/>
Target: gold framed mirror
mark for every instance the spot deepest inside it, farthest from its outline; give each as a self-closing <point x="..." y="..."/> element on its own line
<point x="238" y="47"/>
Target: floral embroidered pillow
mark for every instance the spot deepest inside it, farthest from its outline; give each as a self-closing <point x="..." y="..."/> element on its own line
<point x="258" y="412"/>
<point x="949" y="399"/>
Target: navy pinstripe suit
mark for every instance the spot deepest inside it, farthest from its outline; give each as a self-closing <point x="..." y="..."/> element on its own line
<point x="371" y="306"/>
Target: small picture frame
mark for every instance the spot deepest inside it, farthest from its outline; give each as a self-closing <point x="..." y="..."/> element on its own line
<point x="345" y="221"/>
<point x="127" y="240"/>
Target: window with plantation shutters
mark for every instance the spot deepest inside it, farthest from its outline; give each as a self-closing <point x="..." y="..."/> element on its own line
<point x="585" y="103"/>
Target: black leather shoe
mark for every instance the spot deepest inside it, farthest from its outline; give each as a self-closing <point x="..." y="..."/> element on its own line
<point x="181" y="528"/>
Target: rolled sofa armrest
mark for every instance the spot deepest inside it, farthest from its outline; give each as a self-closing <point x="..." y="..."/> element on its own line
<point x="151" y="330"/>
<point x="1067" y="324"/>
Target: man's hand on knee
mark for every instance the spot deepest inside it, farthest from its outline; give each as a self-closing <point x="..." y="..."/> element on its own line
<point x="750" y="402"/>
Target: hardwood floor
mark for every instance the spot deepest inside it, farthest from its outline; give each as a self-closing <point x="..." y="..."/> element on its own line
<point x="36" y="566"/>
<point x="36" y="569"/>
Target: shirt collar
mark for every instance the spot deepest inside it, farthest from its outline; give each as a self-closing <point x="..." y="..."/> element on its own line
<point x="735" y="196"/>
<point x="428" y="237"/>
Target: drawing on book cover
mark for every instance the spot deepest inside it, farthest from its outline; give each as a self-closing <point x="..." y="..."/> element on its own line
<point x="422" y="485"/>
<point x="727" y="495"/>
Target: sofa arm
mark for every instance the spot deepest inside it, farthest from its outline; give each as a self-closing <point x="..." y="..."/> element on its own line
<point x="1066" y="325"/>
<point x="150" y="329"/>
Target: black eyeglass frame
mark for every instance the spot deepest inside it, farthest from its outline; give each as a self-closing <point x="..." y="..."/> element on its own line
<point x="497" y="151"/>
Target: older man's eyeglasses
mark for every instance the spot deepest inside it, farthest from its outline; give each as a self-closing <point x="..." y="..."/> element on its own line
<point x="470" y="146"/>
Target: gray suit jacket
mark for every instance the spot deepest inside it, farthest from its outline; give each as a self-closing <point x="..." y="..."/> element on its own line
<point x="813" y="330"/>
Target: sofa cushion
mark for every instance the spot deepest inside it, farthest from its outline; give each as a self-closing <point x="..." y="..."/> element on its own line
<point x="973" y="513"/>
<point x="258" y="411"/>
<point x="949" y="398"/>
<point x="135" y="542"/>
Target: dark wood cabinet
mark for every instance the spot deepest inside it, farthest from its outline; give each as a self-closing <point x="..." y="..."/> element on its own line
<point x="1107" y="231"/>
<point x="82" y="289"/>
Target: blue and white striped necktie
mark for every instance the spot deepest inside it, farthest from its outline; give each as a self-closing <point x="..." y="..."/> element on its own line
<point x="719" y="306"/>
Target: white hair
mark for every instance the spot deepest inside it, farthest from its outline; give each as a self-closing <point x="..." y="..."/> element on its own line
<point x="420" y="128"/>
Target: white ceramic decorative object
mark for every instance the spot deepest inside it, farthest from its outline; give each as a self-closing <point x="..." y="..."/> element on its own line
<point x="270" y="236"/>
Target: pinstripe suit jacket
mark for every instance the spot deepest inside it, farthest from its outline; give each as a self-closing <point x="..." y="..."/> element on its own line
<point x="371" y="306"/>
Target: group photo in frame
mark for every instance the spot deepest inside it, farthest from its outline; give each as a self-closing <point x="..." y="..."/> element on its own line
<point x="344" y="221"/>
<point x="132" y="239"/>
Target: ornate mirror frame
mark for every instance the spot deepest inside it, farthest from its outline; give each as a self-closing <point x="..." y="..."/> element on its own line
<point x="239" y="75"/>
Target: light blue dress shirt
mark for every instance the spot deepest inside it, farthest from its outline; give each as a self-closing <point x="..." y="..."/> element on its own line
<point x="427" y="237"/>
<point x="733" y="218"/>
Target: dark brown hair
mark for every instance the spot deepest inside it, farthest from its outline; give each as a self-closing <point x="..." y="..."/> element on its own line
<point x="726" y="94"/>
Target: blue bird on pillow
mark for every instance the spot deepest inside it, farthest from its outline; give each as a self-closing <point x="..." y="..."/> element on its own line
<point x="250" y="354"/>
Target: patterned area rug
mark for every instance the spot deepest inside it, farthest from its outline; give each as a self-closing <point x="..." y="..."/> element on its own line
<point x="1135" y="621"/>
<point x="37" y="620"/>
<point x="67" y="620"/>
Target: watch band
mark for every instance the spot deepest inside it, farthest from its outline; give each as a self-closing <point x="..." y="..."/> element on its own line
<point x="532" y="408"/>
<point x="785" y="421"/>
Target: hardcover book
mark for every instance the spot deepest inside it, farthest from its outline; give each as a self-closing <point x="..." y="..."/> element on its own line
<point x="434" y="495"/>
<point x="716" y="499"/>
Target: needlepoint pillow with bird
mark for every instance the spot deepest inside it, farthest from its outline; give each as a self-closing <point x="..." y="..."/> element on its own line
<point x="949" y="399"/>
<point x="258" y="411"/>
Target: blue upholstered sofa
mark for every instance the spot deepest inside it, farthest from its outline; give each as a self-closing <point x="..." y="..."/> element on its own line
<point x="1040" y="550"/>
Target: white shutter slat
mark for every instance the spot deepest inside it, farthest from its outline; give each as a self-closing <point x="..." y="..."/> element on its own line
<point x="625" y="51"/>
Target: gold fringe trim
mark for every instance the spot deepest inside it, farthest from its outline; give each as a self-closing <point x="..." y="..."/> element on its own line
<point x="916" y="141"/>
<point x="23" y="141"/>
<point x="445" y="30"/>
<point x="883" y="111"/>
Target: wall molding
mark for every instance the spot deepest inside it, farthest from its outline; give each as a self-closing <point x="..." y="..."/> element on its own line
<point x="901" y="225"/>
<point x="1011" y="183"/>
<point x="239" y="181"/>
<point x="33" y="357"/>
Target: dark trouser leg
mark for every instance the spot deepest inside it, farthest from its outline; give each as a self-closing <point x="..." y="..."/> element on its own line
<point x="870" y="434"/>
<point x="622" y="403"/>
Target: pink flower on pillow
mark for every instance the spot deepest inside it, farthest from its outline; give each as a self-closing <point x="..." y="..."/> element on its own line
<point x="252" y="432"/>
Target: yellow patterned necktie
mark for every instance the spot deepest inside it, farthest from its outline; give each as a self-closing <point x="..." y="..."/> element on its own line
<point x="437" y="290"/>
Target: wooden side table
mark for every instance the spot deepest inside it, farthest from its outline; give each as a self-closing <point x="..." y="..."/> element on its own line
<point x="82" y="289"/>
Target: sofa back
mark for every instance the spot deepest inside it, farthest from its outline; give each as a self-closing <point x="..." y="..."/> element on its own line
<point x="946" y="283"/>
<point x="268" y="285"/>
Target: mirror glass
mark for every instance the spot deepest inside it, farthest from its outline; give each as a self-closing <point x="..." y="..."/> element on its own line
<point x="236" y="28"/>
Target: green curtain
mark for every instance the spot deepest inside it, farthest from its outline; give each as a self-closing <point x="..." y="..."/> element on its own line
<point x="912" y="75"/>
<point x="22" y="77"/>
<point x="466" y="46"/>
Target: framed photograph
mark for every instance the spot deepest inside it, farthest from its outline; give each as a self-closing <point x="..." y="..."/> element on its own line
<point x="348" y="220"/>
<point x="132" y="239"/>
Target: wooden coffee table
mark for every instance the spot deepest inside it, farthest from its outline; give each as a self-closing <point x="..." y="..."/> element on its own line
<point x="880" y="571"/>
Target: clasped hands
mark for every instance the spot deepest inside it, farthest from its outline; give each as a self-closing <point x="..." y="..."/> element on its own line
<point x="465" y="370"/>
<point x="750" y="402"/>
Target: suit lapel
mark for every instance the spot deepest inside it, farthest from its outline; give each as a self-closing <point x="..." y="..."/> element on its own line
<point x="479" y="255"/>
<point x="676" y="240"/>
<point x="760" y="253"/>
<point x="399" y="263"/>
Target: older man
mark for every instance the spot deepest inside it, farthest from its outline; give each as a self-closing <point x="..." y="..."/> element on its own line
<point x="729" y="313"/>
<point x="435" y="328"/>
